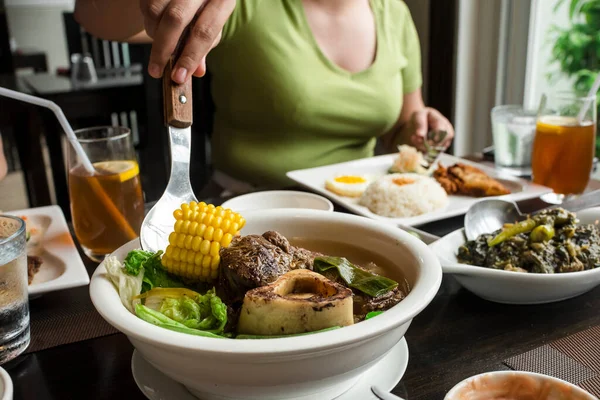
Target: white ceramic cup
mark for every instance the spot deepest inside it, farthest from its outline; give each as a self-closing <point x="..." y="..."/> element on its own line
<point x="516" y="385"/>
<point x="274" y="199"/>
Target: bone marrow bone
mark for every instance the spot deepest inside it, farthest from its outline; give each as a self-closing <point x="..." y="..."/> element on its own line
<point x="299" y="301"/>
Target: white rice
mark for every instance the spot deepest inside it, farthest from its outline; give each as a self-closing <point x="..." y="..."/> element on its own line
<point x="386" y="198"/>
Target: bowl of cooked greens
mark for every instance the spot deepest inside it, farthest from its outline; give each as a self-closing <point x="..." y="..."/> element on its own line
<point x="274" y="304"/>
<point x="551" y="256"/>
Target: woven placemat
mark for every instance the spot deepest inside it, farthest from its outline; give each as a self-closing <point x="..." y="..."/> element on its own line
<point x="575" y="359"/>
<point x="77" y="320"/>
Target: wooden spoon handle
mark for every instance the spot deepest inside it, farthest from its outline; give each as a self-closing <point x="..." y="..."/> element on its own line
<point x="177" y="99"/>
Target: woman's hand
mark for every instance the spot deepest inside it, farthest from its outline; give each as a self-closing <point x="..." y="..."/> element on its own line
<point x="165" y="21"/>
<point x="425" y="120"/>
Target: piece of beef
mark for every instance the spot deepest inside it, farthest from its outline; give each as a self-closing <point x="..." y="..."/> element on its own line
<point x="364" y="304"/>
<point x="252" y="261"/>
<point x="33" y="266"/>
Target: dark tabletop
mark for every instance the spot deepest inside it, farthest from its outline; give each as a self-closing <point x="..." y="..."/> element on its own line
<point x="458" y="335"/>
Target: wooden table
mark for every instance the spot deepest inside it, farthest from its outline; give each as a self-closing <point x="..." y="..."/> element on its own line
<point x="458" y="335"/>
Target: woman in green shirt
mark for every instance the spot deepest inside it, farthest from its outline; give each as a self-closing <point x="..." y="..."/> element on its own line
<point x="296" y="83"/>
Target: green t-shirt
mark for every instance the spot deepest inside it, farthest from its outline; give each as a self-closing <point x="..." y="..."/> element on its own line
<point x="282" y="105"/>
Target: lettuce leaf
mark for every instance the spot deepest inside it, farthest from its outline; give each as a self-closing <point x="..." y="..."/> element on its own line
<point x="127" y="285"/>
<point x="155" y="275"/>
<point x="203" y="312"/>
<point x="161" y="320"/>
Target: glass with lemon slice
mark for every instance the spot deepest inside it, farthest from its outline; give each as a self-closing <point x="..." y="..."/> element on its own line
<point x="108" y="206"/>
<point x="564" y="144"/>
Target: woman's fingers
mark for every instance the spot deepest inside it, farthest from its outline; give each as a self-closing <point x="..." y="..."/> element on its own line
<point x="152" y="10"/>
<point x="203" y="37"/>
<point x="201" y="70"/>
<point x="438" y="122"/>
<point x="173" y="20"/>
<point x="420" y="123"/>
<point x="426" y="120"/>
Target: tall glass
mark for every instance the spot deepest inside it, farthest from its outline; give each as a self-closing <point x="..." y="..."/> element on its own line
<point x="564" y="145"/>
<point x="14" y="297"/>
<point x="513" y="128"/>
<point x="108" y="206"/>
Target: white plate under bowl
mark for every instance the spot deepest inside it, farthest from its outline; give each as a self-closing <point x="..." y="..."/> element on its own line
<point x="6" y="386"/>
<point x="385" y="374"/>
<point x="278" y="199"/>
<point x="62" y="266"/>
<point x="375" y="167"/>
<point x="516" y="287"/>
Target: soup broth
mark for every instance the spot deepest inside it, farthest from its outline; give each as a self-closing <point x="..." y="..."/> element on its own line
<point x="369" y="260"/>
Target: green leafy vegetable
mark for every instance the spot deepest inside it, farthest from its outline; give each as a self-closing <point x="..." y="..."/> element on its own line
<point x="373" y="314"/>
<point x="244" y="336"/>
<point x="357" y="278"/>
<point x="203" y="312"/>
<point x="161" y="320"/>
<point x="155" y="275"/>
<point x="127" y="285"/>
<point x="135" y="259"/>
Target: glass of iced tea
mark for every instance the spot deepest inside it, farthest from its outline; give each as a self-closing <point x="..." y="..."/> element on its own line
<point x="564" y="144"/>
<point x="107" y="206"/>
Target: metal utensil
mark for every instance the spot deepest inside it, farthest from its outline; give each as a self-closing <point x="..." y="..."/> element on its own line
<point x="487" y="216"/>
<point x="177" y="102"/>
<point x="433" y="148"/>
<point x="383" y="395"/>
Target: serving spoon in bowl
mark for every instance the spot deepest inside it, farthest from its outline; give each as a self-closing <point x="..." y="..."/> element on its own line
<point x="177" y="103"/>
<point x="487" y="216"/>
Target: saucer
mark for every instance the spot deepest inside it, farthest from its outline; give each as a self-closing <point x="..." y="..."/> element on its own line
<point x="385" y="374"/>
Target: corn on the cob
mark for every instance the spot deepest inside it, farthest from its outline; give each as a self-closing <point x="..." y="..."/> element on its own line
<point x="199" y="233"/>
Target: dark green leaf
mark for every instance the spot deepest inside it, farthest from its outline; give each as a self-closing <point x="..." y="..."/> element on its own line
<point x="357" y="278"/>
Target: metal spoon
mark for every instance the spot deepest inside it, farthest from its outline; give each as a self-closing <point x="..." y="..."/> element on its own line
<point x="177" y="102"/>
<point x="487" y="216"/>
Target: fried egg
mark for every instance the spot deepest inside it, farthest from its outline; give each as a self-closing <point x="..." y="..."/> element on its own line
<point x="347" y="185"/>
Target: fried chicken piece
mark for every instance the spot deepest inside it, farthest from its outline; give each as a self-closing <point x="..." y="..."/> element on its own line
<point x="441" y="175"/>
<point x="468" y="180"/>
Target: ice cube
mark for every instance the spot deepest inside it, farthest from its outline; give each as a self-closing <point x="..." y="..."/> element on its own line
<point x="522" y="127"/>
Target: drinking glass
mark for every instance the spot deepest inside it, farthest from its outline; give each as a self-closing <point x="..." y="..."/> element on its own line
<point x="14" y="297"/>
<point x="107" y="206"/>
<point x="513" y="128"/>
<point x="564" y="144"/>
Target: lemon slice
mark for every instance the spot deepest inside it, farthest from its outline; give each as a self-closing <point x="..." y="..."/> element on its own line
<point x="123" y="170"/>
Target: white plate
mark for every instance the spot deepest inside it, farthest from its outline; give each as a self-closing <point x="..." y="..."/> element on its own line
<point x="6" y="386"/>
<point x="385" y="374"/>
<point x="516" y="287"/>
<point x="314" y="179"/>
<point x="62" y="266"/>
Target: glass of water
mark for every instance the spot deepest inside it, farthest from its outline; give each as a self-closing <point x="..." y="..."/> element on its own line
<point x="513" y="128"/>
<point x="14" y="298"/>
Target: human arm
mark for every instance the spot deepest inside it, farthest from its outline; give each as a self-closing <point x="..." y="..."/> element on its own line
<point x="161" y="22"/>
<point x="415" y="119"/>
<point x="414" y="122"/>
